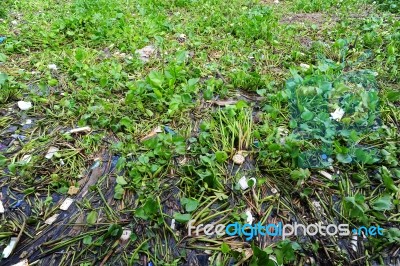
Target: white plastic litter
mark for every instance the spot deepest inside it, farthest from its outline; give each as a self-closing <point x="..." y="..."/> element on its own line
<point x="50" y="153"/>
<point x="126" y="234"/>
<point x="24" y="262"/>
<point x="145" y="53"/>
<point x="80" y="129"/>
<point x="238" y="159"/>
<point x="338" y="114"/>
<point x="326" y="174"/>
<point x="26" y="158"/>
<point x="243" y="182"/>
<point x="65" y="205"/>
<point x="52" y="67"/>
<point x="304" y="66"/>
<point x="250" y="217"/>
<point x="51" y="219"/>
<point x="24" y="105"/>
<point x="7" y="251"/>
<point x="173" y="224"/>
<point x="1" y="207"/>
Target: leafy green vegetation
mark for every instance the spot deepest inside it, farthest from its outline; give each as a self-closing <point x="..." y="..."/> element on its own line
<point x="122" y="121"/>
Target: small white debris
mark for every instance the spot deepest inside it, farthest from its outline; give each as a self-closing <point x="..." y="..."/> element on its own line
<point x="65" y="205"/>
<point x="51" y="219"/>
<point x="238" y="159"/>
<point x="243" y="182"/>
<point x="326" y="174"/>
<point x="50" y="153"/>
<point x="14" y="22"/>
<point x="338" y="114"/>
<point x="274" y="190"/>
<point x="80" y="129"/>
<point x="1" y="207"/>
<point x="126" y="234"/>
<point x="52" y="67"/>
<point x="24" y="105"/>
<point x="28" y="122"/>
<point x="173" y="224"/>
<point x="7" y="251"/>
<point x="26" y="158"/>
<point x="250" y="217"/>
<point x="24" y="262"/>
<point x="153" y="133"/>
<point x="145" y="53"/>
<point x="304" y="66"/>
<point x="62" y="162"/>
<point x="276" y="1"/>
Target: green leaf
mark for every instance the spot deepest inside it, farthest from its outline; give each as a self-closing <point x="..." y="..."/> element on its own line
<point x="221" y="156"/>
<point x="225" y="248"/>
<point x="91" y="218"/>
<point x="148" y="210"/>
<point x="3" y="58"/>
<point x="156" y="79"/>
<point x="182" y="218"/>
<point x="118" y="192"/>
<point x="307" y="115"/>
<point x="190" y="204"/>
<point x="121" y="180"/>
<point x="344" y="158"/>
<point x="387" y="179"/>
<point x="87" y="240"/>
<point x="3" y="160"/>
<point x="383" y="203"/>
<point x="393" y="96"/>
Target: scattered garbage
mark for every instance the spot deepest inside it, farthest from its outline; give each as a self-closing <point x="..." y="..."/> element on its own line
<point x="80" y="129"/>
<point x="244" y="182"/>
<point x="224" y="102"/>
<point x="274" y="190"/>
<point x="10" y="247"/>
<point x="73" y="190"/>
<point x="168" y="130"/>
<point x="1" y="207"/>
<point x="238" y="159"/>
<point x="50" y="153"/>
<point x="126" y="234"/>
<point x="353" y="242"/>
<point x="24" y="262"/>
<point x="250" y="217"/>
<point x="2" y="39"/>
<point x="52" y="219"/>
<point x="145" y="53"/>
<point x="326" y="174"/>
<point x="173" y="224"/>
<point x="153" y="133"/>
<point x="24" y="105"/>
<point x="304" y="66"/>
<point x="181" y="38"/>
<point x="16" y="204"/>
<point x="17" y="136"/>
<point x="26" y="159"/>
<point x="65" y="205"/>
<point x="338" y="114"/>
<point x="52" y="67"/>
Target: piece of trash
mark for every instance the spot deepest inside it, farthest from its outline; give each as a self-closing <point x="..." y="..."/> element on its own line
<point x="80" y="129"/>
<point x="274" y="190"/>
<point x="2" y="39"/>
<point x="73" y="190"/>
<point x="304" y="66"/>
<point x="26" y="158"/>
<point x="238" y="159"/>
<point x="16" y="204"/>
<point x="28" y="122"/>
<point x="250" y="217"/>
<point x="10" y="247"/>
<point x="168" y="130"/>
<point x="326" y="174"/>
<point x="182" y="37"/>
<point x="324" y="157"/>
<point x="173" y="224"/>
<point x="24" y="105"/>
<point x="145" y="53"/>
<point x="51" y="219"/>
<point x="52" y="67"/>
<point x="24" y="262"/>
<point x="1" y="207"/>
<point x="224" y="103"/>
<point x="243" y="182"/>
<point x="62" y="162"/>
<point x="50" y="153"/>
<point x="338" y="114"/>
<point x="153" y="133"/>
<point x="65" y="205"/>
<point x="126" y="234"/>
